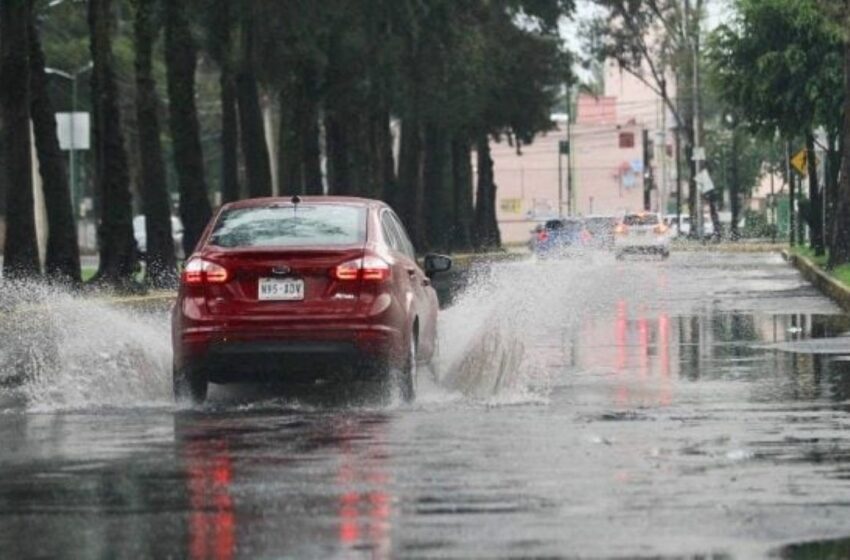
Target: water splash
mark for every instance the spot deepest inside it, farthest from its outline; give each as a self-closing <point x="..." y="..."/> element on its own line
<point x="488" y="338"/>
<point x="61" y="351"/>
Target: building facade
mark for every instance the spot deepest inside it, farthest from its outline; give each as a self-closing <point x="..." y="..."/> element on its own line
<point x="592" y="165"/>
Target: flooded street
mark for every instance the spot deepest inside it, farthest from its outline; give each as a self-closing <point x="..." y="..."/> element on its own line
<point x="582" y="408"/>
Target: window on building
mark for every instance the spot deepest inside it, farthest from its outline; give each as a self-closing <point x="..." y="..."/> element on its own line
<point x="627" y="139"/>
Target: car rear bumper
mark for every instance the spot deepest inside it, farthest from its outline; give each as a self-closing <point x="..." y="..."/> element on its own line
<point x="285" y="353"/>
<point x="643" y="247"/>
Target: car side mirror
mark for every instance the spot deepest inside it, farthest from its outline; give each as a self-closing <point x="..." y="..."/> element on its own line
<point x="437" y="263"/>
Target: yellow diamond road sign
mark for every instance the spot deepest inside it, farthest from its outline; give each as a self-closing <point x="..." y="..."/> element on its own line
<point x="799" y="161"/>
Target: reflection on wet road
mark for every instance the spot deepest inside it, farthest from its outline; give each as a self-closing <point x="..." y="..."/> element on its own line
<point x="581" y="408"/>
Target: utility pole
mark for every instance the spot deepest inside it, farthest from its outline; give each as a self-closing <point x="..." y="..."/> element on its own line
<point x="697" y="116"/>
<point x="662" y="154"/>
<point x="647" y="172"/>
<point x="569" y="157"/>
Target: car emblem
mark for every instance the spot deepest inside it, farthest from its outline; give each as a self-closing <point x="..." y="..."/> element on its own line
<point x="281" y="270"/>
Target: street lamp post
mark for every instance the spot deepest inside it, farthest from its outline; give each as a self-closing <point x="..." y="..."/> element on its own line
<point x="72" y="152"/>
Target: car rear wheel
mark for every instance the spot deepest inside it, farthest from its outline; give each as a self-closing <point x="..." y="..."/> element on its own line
<point x="190" y="385"/>
<point x="405" y="375"/>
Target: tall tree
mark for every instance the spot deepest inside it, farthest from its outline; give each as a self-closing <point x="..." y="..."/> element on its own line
<point x="62" y="259"/>
<point x="180" y="61"/>
<point x="20" y="252"/>
<point x="778" y="64"/>
<point x="161" y="264"/>
<point x="112" y="181"/>
<point x="253" y="137"/>
<point x="839" y="252"/>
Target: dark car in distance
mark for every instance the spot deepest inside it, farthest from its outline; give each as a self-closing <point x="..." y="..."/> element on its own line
<point x="289" y="290"/>
<point x="560" y="237"/>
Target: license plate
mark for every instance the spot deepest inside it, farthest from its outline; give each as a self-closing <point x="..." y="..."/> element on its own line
<point x="281" y="289"/>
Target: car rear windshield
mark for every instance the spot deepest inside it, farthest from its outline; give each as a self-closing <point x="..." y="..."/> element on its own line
<point x="285" y="226"/>
<point x="641" y="220"/>
<point x="565" y="225"/>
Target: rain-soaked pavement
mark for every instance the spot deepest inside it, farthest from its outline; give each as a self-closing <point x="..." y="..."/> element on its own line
<point x="587" y="408"/>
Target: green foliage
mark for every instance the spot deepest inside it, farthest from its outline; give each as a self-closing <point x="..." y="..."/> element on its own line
<point x="779" y="63"/>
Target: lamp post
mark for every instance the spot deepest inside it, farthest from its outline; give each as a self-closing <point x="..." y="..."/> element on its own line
<point x="72" y="158"/>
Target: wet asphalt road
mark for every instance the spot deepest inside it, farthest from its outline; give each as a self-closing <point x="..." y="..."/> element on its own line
<point x="587" y="408"/>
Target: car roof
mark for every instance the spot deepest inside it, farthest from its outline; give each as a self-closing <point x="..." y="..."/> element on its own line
<point x="287" y="200"/>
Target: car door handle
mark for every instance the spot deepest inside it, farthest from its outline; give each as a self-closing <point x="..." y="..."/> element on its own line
<point x="411" y="271"/>
<point x="426" y="282"/>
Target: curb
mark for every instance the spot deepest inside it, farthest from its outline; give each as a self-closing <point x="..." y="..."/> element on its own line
<point x="828" y="286"/>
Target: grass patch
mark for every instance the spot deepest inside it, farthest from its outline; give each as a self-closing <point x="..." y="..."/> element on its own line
<point x="840" y="273"/>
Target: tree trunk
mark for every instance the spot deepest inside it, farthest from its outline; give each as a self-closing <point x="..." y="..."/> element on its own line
<point x="410" y="182"/>
<point x="112" y="180"/>
<point x="815" y="216"/>
<point x="439" y="203"/>
<point x="230" y="190"/>
<point x="229" y="136"/>
<point x="161" y="265"/>
<point x="486" y="231"/>
<point x="311" y="151"/>
<point x="180" y="61"/>
<point x="734" y="188"/>
<point x="792" y="196"/>
<point x="833" y="160"/>
<point x="462" y="194"/>
<point x="840" y="253"/>
<point x="289" y="156"/>
<point x="715" y="217"/>
<point x="336" y="144"/>
<point x="20" y="254"/>
<point x="220" y="48"/>
<point x="62" y="262"/>
<point x="253" y="136"/>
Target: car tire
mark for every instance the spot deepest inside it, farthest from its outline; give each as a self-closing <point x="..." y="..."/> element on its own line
<point x="405" y="375"/>
<point x="190" y="385"/>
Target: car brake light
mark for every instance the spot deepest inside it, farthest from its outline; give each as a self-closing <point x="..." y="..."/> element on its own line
<point x="199" y="271"/>
<point x="542" y="235"/>
<point x="660" y="228"/>
<point x="369" y="268"/>
<point x="621" y="229"/>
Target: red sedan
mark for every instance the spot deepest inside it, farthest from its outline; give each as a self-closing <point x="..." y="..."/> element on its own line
<point x="293" y="289"/>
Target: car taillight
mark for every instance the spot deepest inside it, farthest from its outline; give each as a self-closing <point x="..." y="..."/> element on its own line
<point x="199" y="271"/>
<point x="542" y="235"/>
<point x="621" y="229"/>
<point x="660" y="228"/>
<point x="369" y="268"/>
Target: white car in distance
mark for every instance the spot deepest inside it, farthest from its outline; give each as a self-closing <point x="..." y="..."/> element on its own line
<point x="642" y="233"/>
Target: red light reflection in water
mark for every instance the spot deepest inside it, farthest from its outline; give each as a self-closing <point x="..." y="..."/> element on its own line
<point x="644" y="333"/>
<point x="212" y="522"/>
<point x="364" y="504"/>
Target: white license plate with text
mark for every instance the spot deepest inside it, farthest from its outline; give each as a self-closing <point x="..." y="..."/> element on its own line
<point x="281" y="289"/>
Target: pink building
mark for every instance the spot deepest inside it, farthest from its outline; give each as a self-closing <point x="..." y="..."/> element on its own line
<point x="606" y="160"/>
